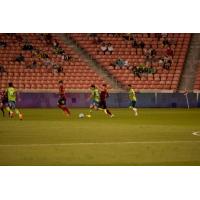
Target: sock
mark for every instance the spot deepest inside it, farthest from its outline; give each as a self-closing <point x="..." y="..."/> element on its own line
<point x="3" y="111"/>
<point x="8" y="109"/>
<point x="17" y="112"/>
<point x="65" y="109"/>
<point x="108" y="111"/>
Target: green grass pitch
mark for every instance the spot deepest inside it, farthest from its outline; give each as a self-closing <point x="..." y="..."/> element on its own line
<point x="155" y="137"/>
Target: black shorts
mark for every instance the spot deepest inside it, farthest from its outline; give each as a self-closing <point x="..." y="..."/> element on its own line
<point x="132" y="104"/>
<point x="62" y="101"/>
<point x="102" y="104"/>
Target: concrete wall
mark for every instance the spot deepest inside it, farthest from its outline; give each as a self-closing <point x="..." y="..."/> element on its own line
<point x="49" y="100"/>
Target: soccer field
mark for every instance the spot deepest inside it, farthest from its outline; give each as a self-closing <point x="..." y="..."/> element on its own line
<point x="155" y="137"/>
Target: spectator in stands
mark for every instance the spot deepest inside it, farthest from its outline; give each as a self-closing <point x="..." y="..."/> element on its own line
<point x="142" y="69"/>
<point x="57" y="69"/>
<point x="27" y="47"/>
<point x="134" y="44"/>
<point x="166" y="42"/>
<point x="20" y="58"/>
<point x="66" y="57"/>
<point x="2" y="69"/>
<point x="3" y="44"/>
<point x="118" y="63"/>
<point x="55" y="44"/>
<point x="141" y="45"/>
<point x="104" y="48"/>
<point x="110" y="48"/>
<point x="165" y="62"/>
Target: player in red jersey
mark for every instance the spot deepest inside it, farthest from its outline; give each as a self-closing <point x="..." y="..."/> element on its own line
<point x="3" y="101"/>
<point x="62" y="99"/>
<point x="102" y="104"/>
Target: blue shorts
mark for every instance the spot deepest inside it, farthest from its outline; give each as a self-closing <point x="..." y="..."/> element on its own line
<point x="12" y="104"/>
<point x="95" y="103"/>
<point x="132" y="104"/>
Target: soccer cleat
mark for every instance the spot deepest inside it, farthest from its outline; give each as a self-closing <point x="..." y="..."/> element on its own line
<point x="112" y="115"/>
<point x="20" y="116"/>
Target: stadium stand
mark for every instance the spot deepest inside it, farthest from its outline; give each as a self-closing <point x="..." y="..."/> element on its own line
<point x="162" y="78"/>
<point x="45" y="64"/>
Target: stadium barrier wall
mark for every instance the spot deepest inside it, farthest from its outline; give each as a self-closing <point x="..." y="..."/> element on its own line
<point x="163" y="100"/>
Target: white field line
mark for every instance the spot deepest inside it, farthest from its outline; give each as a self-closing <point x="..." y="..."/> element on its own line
<point x="100" y="143"/>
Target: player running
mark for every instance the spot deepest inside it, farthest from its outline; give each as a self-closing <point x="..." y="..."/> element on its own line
<point x="3" y="101"/>
<point x="133" y="99"/>
<point x="12" y="96"/>
<point x="95" y="98"/>
<point x="62" y="99"/>
<point x="102" y="104"/>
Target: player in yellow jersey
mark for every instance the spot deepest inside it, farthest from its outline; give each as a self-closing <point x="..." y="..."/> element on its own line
<point x="133" y="99"/>
<point x="12" y="96"/>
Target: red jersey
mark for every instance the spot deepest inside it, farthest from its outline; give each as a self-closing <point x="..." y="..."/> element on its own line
<point x="61" y="91"/>
<point x="103" y="95"/>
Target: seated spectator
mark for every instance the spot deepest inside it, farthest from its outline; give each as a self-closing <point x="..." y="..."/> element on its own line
<point x="142" y="69"/>
<point x="3" y="44"/>
<point x="2" y="69"/>
<point x="57" y="68"/>
<point x="66" y="57"/>
<point x="118" y="63"/>
<point x="141" y="45"/>
<point x="58" y="51"/>
<point x="104" y="48"/>
<point x="167" y="63"/>
<point x="134" y="44"/>
<point x="27" y="47"/>
<point x="19" y="58"/>
<point x="166" y="42"/>
<point x="55" y="44"/>
<point x="110" y="48"/>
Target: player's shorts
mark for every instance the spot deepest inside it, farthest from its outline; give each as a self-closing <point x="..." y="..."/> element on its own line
<point x="12" y="104"/>
<point x="102" y="104"/>
<point x="62" y="101"/>
<point x="132" y="104"/>
<point x="95" y="103"/>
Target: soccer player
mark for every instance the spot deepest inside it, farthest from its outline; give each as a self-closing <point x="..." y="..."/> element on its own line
<point x="62" y="99"/>
<point x="95" y="97"/>
<point x="12" y="96"/>
<point x="102" y="104"/>
<point x="3" y="101"/>
<point x="133" y="99"/>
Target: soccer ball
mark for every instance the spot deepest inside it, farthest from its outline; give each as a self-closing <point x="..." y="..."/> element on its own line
<point x="81" y="115"/>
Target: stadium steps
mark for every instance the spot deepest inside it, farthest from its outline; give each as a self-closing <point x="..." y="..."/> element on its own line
<point x="191" y="64"/>
<point x="91" y="62"/>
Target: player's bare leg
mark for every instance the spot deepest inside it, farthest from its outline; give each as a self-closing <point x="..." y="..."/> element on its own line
<point x="65" y="110"/>
<point x="2" y="109"/>
<point x="19" y="114"/>
<point x="134" y="110"/>
<point x="107" y="112"/>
